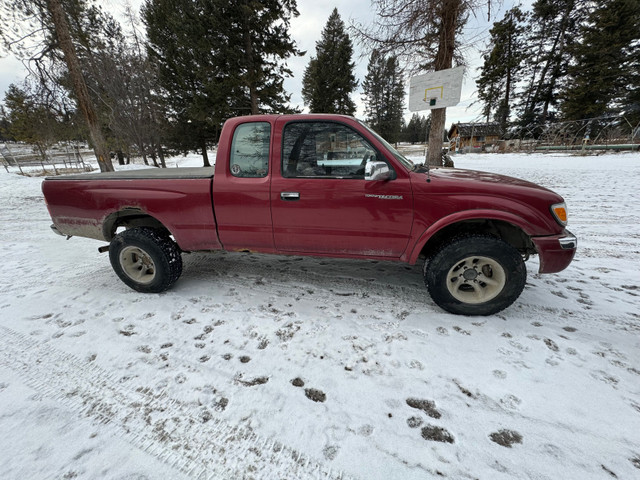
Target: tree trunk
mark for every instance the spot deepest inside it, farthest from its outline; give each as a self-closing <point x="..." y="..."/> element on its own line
<point x="79" y="85"/>
<point x="205" y="157"/>
<point x="436" y="134"/>
<point x="153" y="158"/>
<point x="251" y="73"/>
<point x="163" y="164"/>
<point x="504" y="115"/>
<point x="450" y="10"/>
<point x="43" y="156"/>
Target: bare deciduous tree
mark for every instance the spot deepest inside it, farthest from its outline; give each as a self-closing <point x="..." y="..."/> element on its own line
<point x="424" y="35"/>
<point x="79" y="85"/>
<point x="46" y="20"/>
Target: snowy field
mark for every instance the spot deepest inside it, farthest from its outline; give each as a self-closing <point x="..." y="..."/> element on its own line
<point x="276" y="367"/>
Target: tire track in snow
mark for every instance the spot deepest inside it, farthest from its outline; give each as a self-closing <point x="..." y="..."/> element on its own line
<point x="153" y="422"/>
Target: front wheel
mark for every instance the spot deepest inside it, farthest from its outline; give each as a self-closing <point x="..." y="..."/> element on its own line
<point x="475" y="275"/>
<point x="145" y="259"/>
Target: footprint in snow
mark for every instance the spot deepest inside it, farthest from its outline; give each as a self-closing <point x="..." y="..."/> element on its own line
<point x="414" y="422"/>
<point x="506" y="438"/>
<point x="427" y="406"/>
<point x="330" y="452"/>
<point x="461" y="331"/>
<point x="253" y="382"/>
<point x="315" y="394"/>
<point x="437" y="434"/>
<point x="551" y="345"/>
<point x="511" y="402"/>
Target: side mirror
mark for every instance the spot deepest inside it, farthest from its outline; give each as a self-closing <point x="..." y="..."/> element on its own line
<point x="377" y="171"/>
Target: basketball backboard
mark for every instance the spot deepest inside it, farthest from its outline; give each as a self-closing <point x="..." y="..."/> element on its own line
<point x="435" y="90"/>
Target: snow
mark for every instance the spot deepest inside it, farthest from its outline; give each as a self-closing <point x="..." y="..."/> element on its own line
<point x="100" y="382"/>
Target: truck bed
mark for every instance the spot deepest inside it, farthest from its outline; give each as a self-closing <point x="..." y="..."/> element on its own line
<point x="187" y="173"/>
<point x="94" y="205"/>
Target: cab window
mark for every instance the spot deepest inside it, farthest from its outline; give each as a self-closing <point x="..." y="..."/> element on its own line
<point x="324" y="150"/>
<point x="250" y="150"/>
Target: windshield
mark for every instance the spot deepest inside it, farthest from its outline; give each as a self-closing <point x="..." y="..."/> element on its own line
<point x="401" y="158"/>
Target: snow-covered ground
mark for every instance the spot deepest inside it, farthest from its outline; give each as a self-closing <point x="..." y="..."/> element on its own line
<point x="272" y="367"/>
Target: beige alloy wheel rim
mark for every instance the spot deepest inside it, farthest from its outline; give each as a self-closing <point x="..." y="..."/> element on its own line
<point x="137" y="264"/>
<point x="476" y="280"/>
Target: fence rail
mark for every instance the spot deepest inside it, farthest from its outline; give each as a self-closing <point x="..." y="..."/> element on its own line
<point x="65" y="158"/>
<point x="610" y="132"/>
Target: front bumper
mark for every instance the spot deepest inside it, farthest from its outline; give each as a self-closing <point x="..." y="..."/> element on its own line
<point x="556" y="252"/>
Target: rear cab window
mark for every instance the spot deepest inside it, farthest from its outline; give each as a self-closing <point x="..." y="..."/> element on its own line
<point x="250" y="150"/>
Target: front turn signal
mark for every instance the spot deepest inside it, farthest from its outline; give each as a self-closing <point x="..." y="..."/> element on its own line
<point x="559" y="211"/>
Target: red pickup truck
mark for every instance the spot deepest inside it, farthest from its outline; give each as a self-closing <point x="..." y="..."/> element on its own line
<point x="321" y="185"/>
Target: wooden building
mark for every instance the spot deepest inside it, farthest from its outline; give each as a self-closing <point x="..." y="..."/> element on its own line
<point x="473" y="136"/>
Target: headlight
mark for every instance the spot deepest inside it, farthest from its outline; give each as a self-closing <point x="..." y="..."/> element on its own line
<point x="559" y="211"/>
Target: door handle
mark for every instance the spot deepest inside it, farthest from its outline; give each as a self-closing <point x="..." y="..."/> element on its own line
<point x="289" y="196"/>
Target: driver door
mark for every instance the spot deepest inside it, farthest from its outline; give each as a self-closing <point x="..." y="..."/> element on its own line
<point x="321" y="203"/>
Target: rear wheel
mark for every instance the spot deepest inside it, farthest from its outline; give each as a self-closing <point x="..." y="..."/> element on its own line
<point x="475" y="275"/>
<point x="145" y="259"/>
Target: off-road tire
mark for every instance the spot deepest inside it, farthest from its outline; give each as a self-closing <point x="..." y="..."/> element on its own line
<point x="145" y="259"/>
<point x="495" y="279"/>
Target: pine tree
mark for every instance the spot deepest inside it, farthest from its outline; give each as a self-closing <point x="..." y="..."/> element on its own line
<point x="266" y="45"/>
<point x="374" y="87"/>
<point x="384" y="96"/>
<point x="5" y="126"/>
<point x="395" y="98"/>
<point x="603" y="69"/>
<point x="173" y="31"/>
<point x="218" y="58"/>
<point x="31" y="120"/>
<point x="553" y="27"/>
<point x="329" y="79"/>
<point x="417" y="129"/>
<point x="502" y="67"/>
<point x="631" y="106"/>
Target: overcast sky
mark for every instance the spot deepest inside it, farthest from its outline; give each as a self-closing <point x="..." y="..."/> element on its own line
<point x="306" y="30"/>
